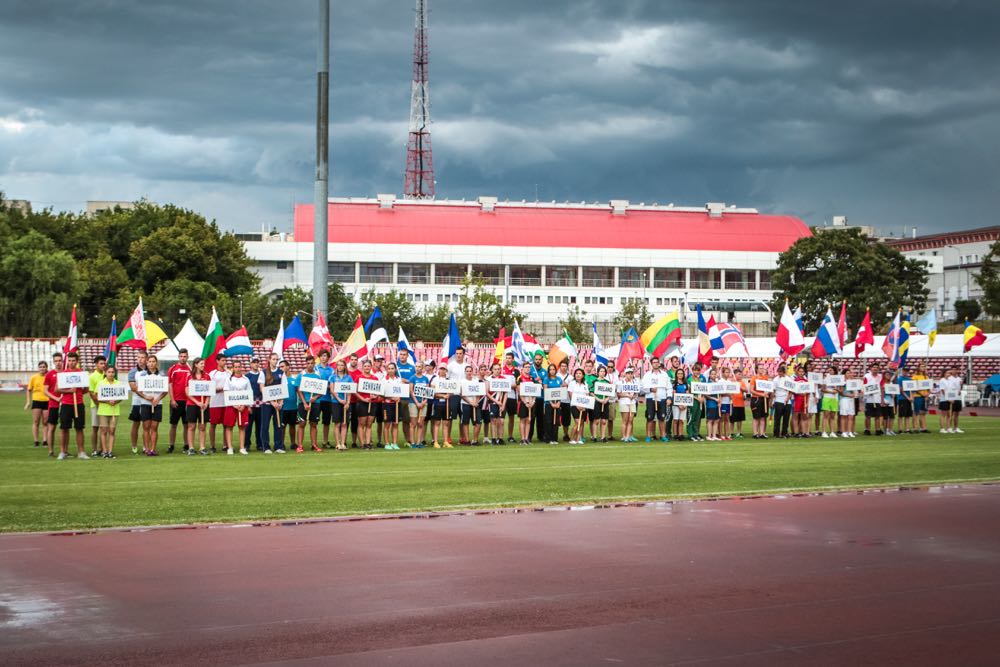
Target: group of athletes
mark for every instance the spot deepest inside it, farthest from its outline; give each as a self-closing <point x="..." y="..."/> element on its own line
<point x="421" y="418"/>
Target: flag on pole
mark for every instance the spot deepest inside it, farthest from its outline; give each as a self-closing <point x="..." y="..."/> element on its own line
<point x="501" y="345"/>
<point x="661" y="334"/>
<point x="842" y="324"/>
<point x="215" y="342"/>
<point x="294" y="333"/>
<point x="452" y="341"/>
<point x="599" y="355"/>
<point x="564" y="348"/>
<point x="903" y="349"/>
<point x="827" y="337"/>
<point x="798" y="319"/>
<point x="927" y="325"/>
<point x="715" y="336"/>
<point x="704" y="342"/>
<point x="111" y="349"/>
<point x="865" y="334"/>
<point x="730" y="335"/>
<point x="355" y="343"/>
<point x="631" y="348"/>
<point x="517" y="345"/>
<point x="319" y="337"/>
<point x="278" y="347"/>
<point x="789" y="336"/>
<point x="973" y="336"/>
<point x="134" y="334"/>
<point x="72" y="343"/>
<point x="375" y="329"/>
<point x="890" y="346"/>
<point x="238" y="343"/>
<point x="403" y="343"/>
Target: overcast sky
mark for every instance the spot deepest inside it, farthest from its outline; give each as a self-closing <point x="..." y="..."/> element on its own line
<point x="887" y="112"/>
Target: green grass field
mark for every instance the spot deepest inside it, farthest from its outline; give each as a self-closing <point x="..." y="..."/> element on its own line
<point x="39" y="493"/>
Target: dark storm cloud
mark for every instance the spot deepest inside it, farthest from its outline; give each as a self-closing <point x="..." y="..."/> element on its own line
<point x="887" y="112"/>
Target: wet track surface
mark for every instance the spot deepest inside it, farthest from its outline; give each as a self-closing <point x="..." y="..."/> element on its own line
<point x="878" y="578"/>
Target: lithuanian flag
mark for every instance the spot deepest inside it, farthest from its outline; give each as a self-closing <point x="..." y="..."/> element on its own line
<point x="973" y="336"/>
<point x="661" y="334"/>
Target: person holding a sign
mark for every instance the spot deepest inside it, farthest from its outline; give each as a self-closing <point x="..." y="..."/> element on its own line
<point x="830" y="406"/>
<point x="739" y="404"/>
<point x="217" y="404"/>
<point x="552" y="409"/>
<point x="367" y="405"/>
<point x="270" y="411"/>
<point x="759" y="397"/>
<point x="627" y="391"/>
<point x="341" y="414"/>
<point x="55" y="398"/>
<point x="108" y="411"/>
<point x="526" y="404"/>
<point x="419" y="409"/>
<point x="495" y="404"/>
<point x="725" y="405"/>
<point x="800" y="405"/>
<point x="36" y="399"/>
<point x="178" y="375"/>
<point x="150" y="406"/>
<point x="483" y="427"/>
<point x="679" y="412"/>
<point x="237" y="417"/>
<point x="442" y="410"/>
<point x="920" y="399"/>
<point x="904" y="401"/>
<point x="604" y="393"/>
<point x="951" y="407"/>
<point x="509" y="370"/>
<point x="578" y="387"/>
<point x="712" y="410"/>
<point x="309" y="412"/>
<point x="133" y="415"/>
<point x="654" y="385"/>
<point x="96" y="375"/>
<point x="390" y="408"/>
<point x="782" y="402"/>
<point x="888" y="404"/>
<point x="846" y="407"/>
<point x="873" y="399"/>
<point x="71" y="412"/>
<point x="290" y="406"/>
<point x="196" y="409"/>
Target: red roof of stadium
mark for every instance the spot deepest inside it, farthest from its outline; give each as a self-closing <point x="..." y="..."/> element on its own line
<point x="548" y="226"/>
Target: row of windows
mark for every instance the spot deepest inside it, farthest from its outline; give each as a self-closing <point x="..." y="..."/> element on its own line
<point x="555" y="276"/>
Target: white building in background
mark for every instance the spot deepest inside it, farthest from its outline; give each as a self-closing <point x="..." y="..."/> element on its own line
<point x="954" y="259"/>
<point x="542" y="257"/>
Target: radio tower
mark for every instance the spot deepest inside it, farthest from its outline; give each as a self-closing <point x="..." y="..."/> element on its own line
<point x="419" y="182"/>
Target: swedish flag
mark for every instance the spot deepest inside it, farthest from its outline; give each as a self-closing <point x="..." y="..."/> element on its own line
<point x="903" y="348"/>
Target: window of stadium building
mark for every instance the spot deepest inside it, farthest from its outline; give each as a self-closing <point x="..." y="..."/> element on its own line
<point x="669" y="279"/>
<point x="560" y="276"/>
<point x="413" y="274"/>
<point x="706" y="279"/>
<point x="372" y="272"/>
<point x="526" y="276"/>
<point x="632" y="277"/>
<point x="340" y="272"/>
<point x="492" y="274"/>
<point x="765" y="280"/>
<point x="740" y="279"/>
<point x="450" y="274"/>
<point x="598" y="276"/>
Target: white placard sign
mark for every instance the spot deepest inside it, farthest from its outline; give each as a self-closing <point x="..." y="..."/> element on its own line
<point x="391" y="389"/>
<point x="728" y="387"/>
<point x="72" y="380"/>
<point x="891" y="389"/>
<point x="834" y="381"/>
<point x="786" y="383"/>
<point x="447" y="387"/>
<point x="815" y="377"/>
<point x="423" y="391"/>
<point x="313" y="386"/>
<point x="112" y="392"/>
<point x="765" y="386"/>
<point x="555" y="394"/>
<point x="473" y="389"/>
<point x="853" y="385"/>
<point x="872" y="388"/>
<point x="701" y="388"/>
<point x="909" y="385"/>
<point x="239" y="397"/>
<point x="368" y="386"/>
<point x="584" y="401"/>
<point x="629" y="388"/>
<point x="804" y="387"/>
<point x="153" y="384"/>
<point x="198" y="388"/>
<point x="499" y="385"/>
<point x="345" y="388"/>
<point x="274" y="392"/>
<point x="683" y="400"/>
<point x="531" y="389"/>
<point x="925" y="385"/>
<point x="952" y="395"/>
<point x="606" y="389"/>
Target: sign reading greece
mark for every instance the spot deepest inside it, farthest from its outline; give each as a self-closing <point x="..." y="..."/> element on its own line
<point x="531" y="389"/>
<point x="72" y="380"/>
<point x="313" y="386"/>
<point x="345" y="388"/>
<point x="766" y="386"/>
<point x="683" y="400"/>
<point x="201" y="388"/>
<point x="112" y="392"/>
<point x="499" y="385"/>
<point x="236" y="397"/>
<point x="584" y="401"/>
<point x="274" y="392"/>
<point x="367" y="386"/>
<point x="604" y="390"/>
<point x="423" y="391"/>
<point x="473" y="389"/>
<point x="153" y="384"/>
<point x="555" y="394"/>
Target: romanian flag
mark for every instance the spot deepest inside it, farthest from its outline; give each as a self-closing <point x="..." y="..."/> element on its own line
<point x="661" y="334"/>
<point x="973" y="336"/>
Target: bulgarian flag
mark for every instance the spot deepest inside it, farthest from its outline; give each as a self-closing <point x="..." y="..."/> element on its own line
<point x="141" y="333"/>
<point x="215" y="342"/>
<point x="661" y="334"/>
<point x="564" y="348"/>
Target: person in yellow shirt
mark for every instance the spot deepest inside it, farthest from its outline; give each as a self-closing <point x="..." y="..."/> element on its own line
<point x="107" y="412"/>
<point x="37" y="401"/>
<point x="920" y="399"/>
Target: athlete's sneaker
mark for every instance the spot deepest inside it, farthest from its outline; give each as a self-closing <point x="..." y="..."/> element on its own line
<point x="229" y="451"/>
<point x="825" y="435"/>
<point x="315" y="448"/>
<point x="244" y="452"/>
<point x="299" y="450"/>
<point x="62" y="456"/>
<point x="83" y="455"/>
<point x="135" y="450"/>
<point x="957" y="430"/>
<point x="267" y="451"/>
<point x="510" y="440"/>
<point x="279" y="451"/>
<point x="436" y="445"/>
<point x="448" y="445"/>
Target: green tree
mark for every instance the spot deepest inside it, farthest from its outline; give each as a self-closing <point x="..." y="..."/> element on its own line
<point x="967" y="309"/>
<point x="633" y="313"/>
<point x="101" y="278"/>
<point x="988" y="279"/>
<point x="480" y="312"/>
<point x="836" y="265"/>
<point x="432" y="324"/>
<point x="40" y="285"/>
<point x="397" y="311"/>
<point x="574" y="324"/>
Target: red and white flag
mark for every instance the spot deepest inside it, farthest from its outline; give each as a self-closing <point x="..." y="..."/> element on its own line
<point x="319" y="337"/>
<point x="842" y="324"/>
<point x="789" y="337"/>
<point x="865" y="335"/>
<point x="71" y="339"/>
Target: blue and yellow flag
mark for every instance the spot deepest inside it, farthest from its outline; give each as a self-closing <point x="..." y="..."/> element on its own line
<point x="903" y="348"/>
<point x="928" y="325"/>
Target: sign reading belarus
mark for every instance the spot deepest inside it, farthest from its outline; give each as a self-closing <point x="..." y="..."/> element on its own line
<point x="423" y="391"/>
<point x="274" y="392"/>
<point x="313" y="386"/>
<point x="531" y="389"/>
<point x="556" y="394"/>
<point x="766" y="386"/>
<point x="345" y="388"/>
<point x="368" y="386"/>
<point x="683" y="400"/>
<point x="153" y="384"/>
<point x="72" y="380"/>
<point x="604" y="390"/>
<point x="201" y="388"/>
<point x="237" y="397"/>
<point x="112" y="392"/>
<point x="584" y="401"/>
<point x="499" y="385"/>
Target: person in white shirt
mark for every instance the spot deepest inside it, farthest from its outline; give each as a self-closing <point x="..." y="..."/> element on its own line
<point x="456" y="372"/>
<point x="847" y="408"/>
<point x="782" y="403"/>
<point x="656" y="384"/>
<point x="217" y="404"/>
<point x="236" y="416"/>
<point x="578" y="387"/>
<point x="150" y="408"/>
<point x="873" y="400"/>
<point x="627" y="404"/>
<point x="950" y="407"/>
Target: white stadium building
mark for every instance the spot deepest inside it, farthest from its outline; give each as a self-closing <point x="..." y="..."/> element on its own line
<point x="542" y="257"/>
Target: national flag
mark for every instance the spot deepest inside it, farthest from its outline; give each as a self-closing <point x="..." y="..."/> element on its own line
<point x="564" y="348"/>
<point x="704" y="342"/>
<point x="517" y="345"/>
<point x="714" y="335"/>
<point x="111" y="349"/>
<point x="827" y="337"/>
<point x="865" y="334"/>
<point x="661" y="334"/>
<point x="278" y="347"/>
<point x="71" y="345"/>
<point x="928" y="325"/>
<point x="501" y="345"/>
<point x="789" y="337"/>
<point x="890" y="346"/>
<point x="355" y="343"/>
<point x="403" y="343"/>
<point x="319" y="337"/>
<point x="599" y="355"/>
<point x="631" y="348"/>
<point x="375" y="329"/>
<point x="842" y="324"/>
<point x="798" y="319"/>
<point x="238" y="343"/>
<point x="451" y="340"/>
<point x="973" y="336"/>
<point x="294" y="333"/>
<point x="903" y="348"/>
<point x="215" y="342"/>
<point x="134" y="335"/>
<point x="730" y="335"/>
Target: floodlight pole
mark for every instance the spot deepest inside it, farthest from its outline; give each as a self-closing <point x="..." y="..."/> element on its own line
<point x="321" y="190"/>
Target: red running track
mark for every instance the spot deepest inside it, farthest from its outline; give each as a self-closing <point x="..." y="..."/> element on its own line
<point x="878" y="578"/>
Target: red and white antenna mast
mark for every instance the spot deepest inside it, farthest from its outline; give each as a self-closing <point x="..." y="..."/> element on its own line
<point x="419" y="181"/>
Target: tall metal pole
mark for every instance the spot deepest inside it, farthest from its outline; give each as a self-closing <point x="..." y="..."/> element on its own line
<point x="322" y="189"/>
